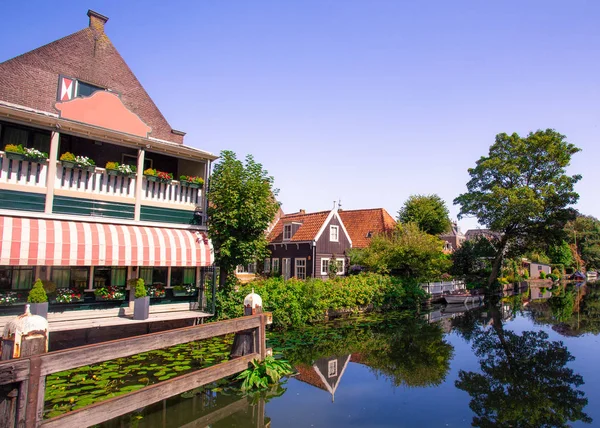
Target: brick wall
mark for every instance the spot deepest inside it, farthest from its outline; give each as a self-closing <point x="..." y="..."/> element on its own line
<point x="31" y="79"/>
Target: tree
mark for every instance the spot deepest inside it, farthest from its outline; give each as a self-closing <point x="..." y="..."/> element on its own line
<point x="520" y="189"/>
<point x="429" y="212"/>
<point x="241" y="206"/>
<point x="471" y="258"/>
<point x="561" y="254"/>
<point x="584" y="234"/>
<point x="408" y="251"/>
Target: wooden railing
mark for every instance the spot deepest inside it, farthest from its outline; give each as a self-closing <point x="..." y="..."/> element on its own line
<point x="23" y="173"/>
<point x="28" y="375"/>
<point x="97" y="182"/>
<point x="442" y="287"/>
<point x="90" y="184"/>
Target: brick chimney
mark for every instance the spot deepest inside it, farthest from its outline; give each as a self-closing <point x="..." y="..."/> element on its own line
<point x="97" y="21"/>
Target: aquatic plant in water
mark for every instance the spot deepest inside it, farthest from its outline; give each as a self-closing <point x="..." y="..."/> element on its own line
<point x="264" y="374"/>
<point x="73" y="389"/>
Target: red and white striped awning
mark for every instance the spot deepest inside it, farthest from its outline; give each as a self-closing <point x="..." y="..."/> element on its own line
<point x="37" y="242"/>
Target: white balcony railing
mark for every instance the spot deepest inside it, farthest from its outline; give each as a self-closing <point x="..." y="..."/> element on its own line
<point x="172" y="193"/>
<point x="97" y="182"/>
<point x="88" y="184"/>
<point x="22" y="173"/>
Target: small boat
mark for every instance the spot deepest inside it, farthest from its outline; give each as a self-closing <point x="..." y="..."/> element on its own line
<point x="592" y="275"/>
<point x="463" y="298"/>
<point x="577" y="276"/>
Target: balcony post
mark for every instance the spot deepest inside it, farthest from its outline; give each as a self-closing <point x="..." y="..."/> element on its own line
<point x="51" y="176"/>
<point x="138" y="184"/>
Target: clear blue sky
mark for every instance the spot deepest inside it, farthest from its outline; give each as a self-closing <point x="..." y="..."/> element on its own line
<point x="363" y="101"/>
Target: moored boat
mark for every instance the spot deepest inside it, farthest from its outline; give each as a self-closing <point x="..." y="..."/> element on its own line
<point x="463" y="298"/>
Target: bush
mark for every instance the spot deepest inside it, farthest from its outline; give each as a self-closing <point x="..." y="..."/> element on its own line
<point x="140" y="287"/>
<point x="542" y="275"/>
<point x="37" y="293"/>
<point x="295" y="303"/>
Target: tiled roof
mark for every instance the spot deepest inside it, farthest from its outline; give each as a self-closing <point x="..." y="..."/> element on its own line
<point x="360" y="222"/>
<point x="311" y="223"/>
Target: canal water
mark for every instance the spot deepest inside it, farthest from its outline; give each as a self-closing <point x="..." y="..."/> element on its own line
<point x="527" y="359"/>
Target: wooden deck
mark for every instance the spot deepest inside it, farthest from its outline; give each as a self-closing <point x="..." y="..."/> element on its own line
<point x="95" y="318"/>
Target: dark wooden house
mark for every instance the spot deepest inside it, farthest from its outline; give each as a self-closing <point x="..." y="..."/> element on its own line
<point x="325" y="373"/>
<point x="303" y="245"/>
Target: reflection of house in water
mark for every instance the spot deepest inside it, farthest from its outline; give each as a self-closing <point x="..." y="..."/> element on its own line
<point x="539" y="293"/>
<point x="325" y="373"/>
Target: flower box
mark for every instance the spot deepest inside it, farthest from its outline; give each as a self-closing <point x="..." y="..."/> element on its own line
<point x="113" y="172"/>
<point x="190" y="184"/>
<point x="68" y="164"/>
<point x="151" y="177"/>
<point x="15" y="155"/>
<point x="183" y="293"/>
<point x="109" y="299"/>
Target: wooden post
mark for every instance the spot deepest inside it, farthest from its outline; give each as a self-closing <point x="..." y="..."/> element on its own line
<point x="254" y="340"/>
<point x="52" y="170"/>
<point x="138" y="185"/>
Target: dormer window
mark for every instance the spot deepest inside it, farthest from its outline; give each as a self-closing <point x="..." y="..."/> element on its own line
<point x="334" y="233"/>
<point x="287" y="232"/>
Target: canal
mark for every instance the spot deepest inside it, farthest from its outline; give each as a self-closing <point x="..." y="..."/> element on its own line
<point x="524" y="360"/>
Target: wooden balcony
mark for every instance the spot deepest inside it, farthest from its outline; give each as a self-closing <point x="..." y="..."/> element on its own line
<point x="97" y="185"/>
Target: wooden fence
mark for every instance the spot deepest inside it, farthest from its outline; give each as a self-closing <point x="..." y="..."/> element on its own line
<point x="439" y="288"/>
<point x="28" y="375"/>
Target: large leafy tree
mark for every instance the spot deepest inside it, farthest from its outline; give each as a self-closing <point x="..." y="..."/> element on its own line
<point x="521" y="190"/>
<point x="241" y="206"/>
<point x="408" y="252"/>
<point x="429" y="212"/>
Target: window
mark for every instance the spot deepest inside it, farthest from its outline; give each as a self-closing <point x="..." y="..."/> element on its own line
<point x="67" y="277"/>
<point x="104" y="276"/>
<point x="249" y="268"/>
<point x="16" y="278"/>
<point x="332" y="368"/>
<point x="267" y="267"/>
<point x="154" y="275"/>
<point x="334" y="232"/>
<point x="301" y="268"/>
<point x="325" y="266"/>
<point x="539" y="267"/>
<point x="275" y="265"/>
<point x="183" y="275"/>
<point x="132" y="161"/>
<point x="86" y="89"/>
<point x="287" y="232"/>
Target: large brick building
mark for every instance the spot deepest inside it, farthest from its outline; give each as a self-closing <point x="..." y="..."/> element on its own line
<point x="83" y="227"/>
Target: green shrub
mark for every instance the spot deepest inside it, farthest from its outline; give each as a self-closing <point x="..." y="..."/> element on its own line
<point x="261" y="375"/>
<point x="542" y="275"/>
<point x="295" y="303"/>
<point x="140" y="287"/>
<point x="37" y="293"/>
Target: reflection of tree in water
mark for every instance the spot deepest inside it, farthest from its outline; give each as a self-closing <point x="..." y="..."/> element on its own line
<point x="562" y="304"/>
<point x="524" y="381"/>
<point x="402" y="347"/>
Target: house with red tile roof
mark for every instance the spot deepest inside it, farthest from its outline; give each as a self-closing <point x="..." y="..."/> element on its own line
<point x="303" y="244"/>
<point x="362" y="225"/>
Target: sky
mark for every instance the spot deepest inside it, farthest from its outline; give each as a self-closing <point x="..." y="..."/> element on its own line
<point x="363" y="102"/>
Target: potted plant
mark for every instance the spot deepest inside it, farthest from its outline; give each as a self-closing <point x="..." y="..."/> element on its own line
<point x="156" y="291"/>
<point x="13" y="151"/>
<point x="34" y="155"/>
<point x="164" y="177"/>
<point x="68" y="295"/>
<point x="8" y="298"/>
<point x="150" y="174"/>
<point x="184" y="290"/>
<point x="193" y="182"/>
<point x="38" y="300"/>
<point x="115" y="168"/>
<point x="109" y="293"/>
<point x="141" y="308"/>
<point x="69" y="160"/>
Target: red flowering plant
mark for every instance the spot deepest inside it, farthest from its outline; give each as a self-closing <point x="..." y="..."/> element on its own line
<point x="156" y="291"/>
<point x="110" y="293"/>
<point x="68" y="295"/>
<point x="164" y="176"/>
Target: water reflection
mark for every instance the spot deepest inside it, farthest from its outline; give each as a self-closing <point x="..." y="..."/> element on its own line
<point x="523" y="380"/>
